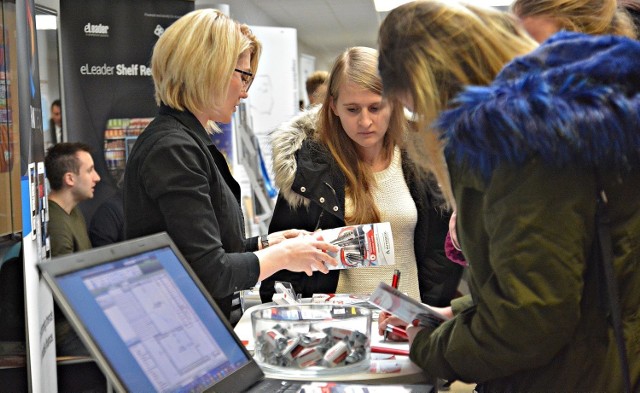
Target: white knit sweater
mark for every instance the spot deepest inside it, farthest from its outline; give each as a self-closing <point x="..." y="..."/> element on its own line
<point x="393" y="199"/>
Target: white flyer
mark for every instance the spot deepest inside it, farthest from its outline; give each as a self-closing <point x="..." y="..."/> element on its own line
<point x="364" y="245"/>
<point x="402" y="306"/>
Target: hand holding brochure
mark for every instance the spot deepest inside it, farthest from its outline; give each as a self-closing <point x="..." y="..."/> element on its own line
<point x="402" y="306"/>
<point x="364" y="245"/>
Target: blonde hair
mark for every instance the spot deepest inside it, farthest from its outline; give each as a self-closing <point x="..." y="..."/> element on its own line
<point x="255" y="48"/>
<point x="430" y="50"/>
<point x="357" y="65"/>
<point x="632" y="7"/>
<point x="586" y="16"/>
<point x="193" y="61"/>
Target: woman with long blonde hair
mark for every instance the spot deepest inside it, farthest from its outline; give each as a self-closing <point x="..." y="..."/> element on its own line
<point x="524" y="159"/>
<point x="543" y="18"/>
<point x="342" y="164"/>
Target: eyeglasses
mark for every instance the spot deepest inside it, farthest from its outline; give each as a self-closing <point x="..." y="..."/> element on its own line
<point x="247" y="78"/>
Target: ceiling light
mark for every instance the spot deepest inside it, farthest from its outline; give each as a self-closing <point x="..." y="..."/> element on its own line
<point x="388" y="5"/>
<point x="46" y="22"/>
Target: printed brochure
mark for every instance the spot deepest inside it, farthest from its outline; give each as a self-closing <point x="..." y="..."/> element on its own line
<point x="365" y="245"/>
<point x="402" y="306"/>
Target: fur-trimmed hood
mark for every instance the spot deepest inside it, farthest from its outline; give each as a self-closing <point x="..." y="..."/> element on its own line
<point x="286" y="140"/>
<point x="574" y="99"/>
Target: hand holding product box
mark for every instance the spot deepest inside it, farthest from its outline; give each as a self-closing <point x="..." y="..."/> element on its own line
<point x="364" y="245"/>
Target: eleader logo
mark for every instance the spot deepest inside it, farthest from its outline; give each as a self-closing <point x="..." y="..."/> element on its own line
<point x="98" y="30"/>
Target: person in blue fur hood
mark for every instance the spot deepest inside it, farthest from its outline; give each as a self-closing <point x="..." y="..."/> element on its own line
<point x="521" y="159"/>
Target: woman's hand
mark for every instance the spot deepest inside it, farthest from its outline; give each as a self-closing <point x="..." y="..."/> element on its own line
<point x="304" y="253"/>
<point x="385" y="319"/>
<point x="412" y="331"/>
<point x="278" y="237"/>
<point x="446" y="312"/>
<point x="307" y="254"/>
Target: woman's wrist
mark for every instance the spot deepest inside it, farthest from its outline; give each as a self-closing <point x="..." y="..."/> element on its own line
<point x="264" y="241"/>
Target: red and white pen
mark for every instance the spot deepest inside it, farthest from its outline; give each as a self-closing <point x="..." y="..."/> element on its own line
<point x="397" y="331"/>
<point x="395" y="281"/>
<point x="390" y="351"/>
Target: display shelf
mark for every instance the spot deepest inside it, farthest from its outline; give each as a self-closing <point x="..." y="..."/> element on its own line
<point x="119" y="138"/>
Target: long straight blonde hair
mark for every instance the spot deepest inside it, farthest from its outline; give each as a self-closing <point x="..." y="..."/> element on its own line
<point x="584" y="16"/>
<point x="429" y="50"/>
<point x="357" y="65"/>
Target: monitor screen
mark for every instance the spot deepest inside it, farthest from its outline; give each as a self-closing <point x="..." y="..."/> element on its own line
<point x="153" y="324"/>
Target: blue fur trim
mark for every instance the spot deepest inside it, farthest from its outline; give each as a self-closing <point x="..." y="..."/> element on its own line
<point x="567" y="102"/>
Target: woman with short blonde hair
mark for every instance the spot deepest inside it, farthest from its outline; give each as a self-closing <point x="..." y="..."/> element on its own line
<point x="176" y="179"/>
<point x="205" y="40"/>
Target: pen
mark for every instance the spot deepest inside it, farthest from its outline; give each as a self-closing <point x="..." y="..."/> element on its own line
<point x="390" y="351"/>
<point x="395" y="281"/>
<point x="397" y="331"/>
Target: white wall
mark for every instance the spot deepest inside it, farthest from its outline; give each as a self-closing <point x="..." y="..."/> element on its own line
<point x="246" y="12"/>
<point x="52" y="4"/>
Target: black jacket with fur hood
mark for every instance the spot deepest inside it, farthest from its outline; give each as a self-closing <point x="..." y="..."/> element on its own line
<point x="312" y="196"/>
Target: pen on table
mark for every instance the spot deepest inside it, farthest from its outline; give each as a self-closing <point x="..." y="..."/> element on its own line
<point x="390" y="351"/>
<point x="397" y="331"/>
<point x="395" y="281"/>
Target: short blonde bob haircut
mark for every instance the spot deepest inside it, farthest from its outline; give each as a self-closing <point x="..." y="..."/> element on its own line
<point x="585" y="16"/>
<point x="193" y="61"/>
<point x="430" y="50"/>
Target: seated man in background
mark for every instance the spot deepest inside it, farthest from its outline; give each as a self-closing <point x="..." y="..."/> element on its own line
<point x="72" y="178"/>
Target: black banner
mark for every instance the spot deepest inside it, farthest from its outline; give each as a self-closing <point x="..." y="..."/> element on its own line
<point x="106" y="48"/>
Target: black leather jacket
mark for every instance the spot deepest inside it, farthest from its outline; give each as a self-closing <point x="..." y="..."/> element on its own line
<point x="177" y="181"/>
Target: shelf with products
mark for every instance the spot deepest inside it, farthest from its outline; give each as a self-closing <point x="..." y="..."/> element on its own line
<point x="119" y="138"/>
<point x="10" y="168"/>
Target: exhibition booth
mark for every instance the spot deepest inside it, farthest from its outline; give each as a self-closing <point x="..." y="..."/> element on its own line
<point x="96" y="60"/>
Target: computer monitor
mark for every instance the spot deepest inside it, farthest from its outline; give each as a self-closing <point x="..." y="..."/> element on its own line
<point x="148" y="320"/>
